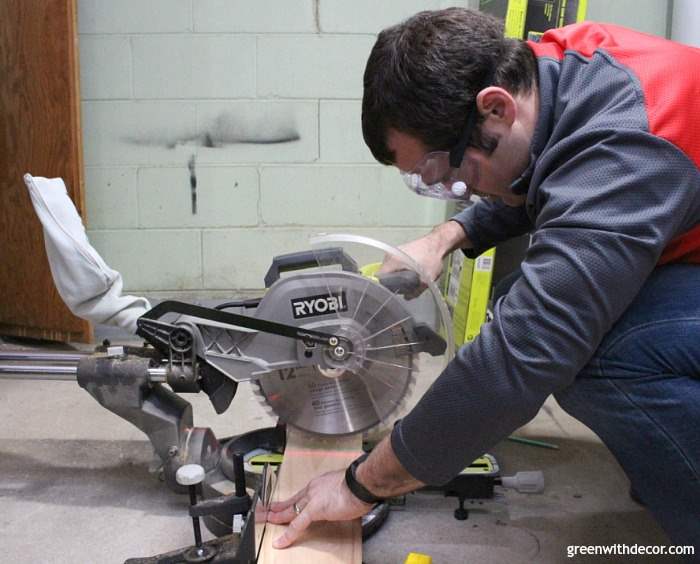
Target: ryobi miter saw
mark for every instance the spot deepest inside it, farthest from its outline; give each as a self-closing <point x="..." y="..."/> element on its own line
<point x="330" y="348"/>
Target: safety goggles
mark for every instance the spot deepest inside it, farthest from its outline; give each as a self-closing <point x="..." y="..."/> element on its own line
<point x="434" y="177"/>
<point x="439" y="174"/>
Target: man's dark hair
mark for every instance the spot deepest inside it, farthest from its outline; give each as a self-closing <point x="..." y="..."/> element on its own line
<point x="423" y="75"/>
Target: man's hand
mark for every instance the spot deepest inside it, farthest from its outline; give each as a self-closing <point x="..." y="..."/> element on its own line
<point x="429" y="251"/>
<point x="325" y="498"/>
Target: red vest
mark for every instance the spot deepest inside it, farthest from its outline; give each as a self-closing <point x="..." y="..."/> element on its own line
<point x="671" y="99"/>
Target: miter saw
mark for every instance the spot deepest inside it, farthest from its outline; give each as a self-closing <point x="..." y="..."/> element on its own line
<point x="331" y="348"/>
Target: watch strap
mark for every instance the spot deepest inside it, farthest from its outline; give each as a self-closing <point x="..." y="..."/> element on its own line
<point x="357" y="489"/>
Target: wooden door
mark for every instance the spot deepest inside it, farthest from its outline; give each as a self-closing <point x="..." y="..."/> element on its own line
<point x="39" y="134"/>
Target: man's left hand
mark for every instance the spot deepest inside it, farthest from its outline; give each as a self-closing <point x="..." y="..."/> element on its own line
<point x="325" y="498"/>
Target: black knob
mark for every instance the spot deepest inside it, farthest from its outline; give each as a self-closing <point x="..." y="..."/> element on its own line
<point x="239" y="475"/>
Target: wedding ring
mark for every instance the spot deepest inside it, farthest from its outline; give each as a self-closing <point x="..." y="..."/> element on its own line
<point x="297" y="509"/>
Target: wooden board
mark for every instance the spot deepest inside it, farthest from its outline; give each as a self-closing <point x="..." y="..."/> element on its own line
<point x="305" y="457"/>
<point x="40" y="134"/>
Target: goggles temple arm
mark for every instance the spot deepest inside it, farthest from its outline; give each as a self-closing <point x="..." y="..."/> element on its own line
<point x="457" y="152"/>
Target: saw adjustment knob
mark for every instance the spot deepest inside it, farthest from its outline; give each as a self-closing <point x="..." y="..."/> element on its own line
<point x="189" y="475"/>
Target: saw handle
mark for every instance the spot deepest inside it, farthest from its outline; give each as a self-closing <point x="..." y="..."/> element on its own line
<point x="308" y="259"/>
<point x="403" y="282"/>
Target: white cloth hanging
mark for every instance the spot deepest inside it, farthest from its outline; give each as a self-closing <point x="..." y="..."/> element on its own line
<point x="89" y="287"/>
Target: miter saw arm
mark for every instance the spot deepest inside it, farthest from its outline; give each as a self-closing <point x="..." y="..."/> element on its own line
<point x="233" y="321"/>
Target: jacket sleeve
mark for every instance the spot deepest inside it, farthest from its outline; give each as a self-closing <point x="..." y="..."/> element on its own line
<point x="489" y="222"/>
<point x="605" y="214"/>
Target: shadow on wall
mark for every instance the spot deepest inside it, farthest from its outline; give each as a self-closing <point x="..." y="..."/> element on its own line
<point x="226" y="128"/>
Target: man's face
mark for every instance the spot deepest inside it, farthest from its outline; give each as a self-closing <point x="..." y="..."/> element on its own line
<point x="486" y="175"/>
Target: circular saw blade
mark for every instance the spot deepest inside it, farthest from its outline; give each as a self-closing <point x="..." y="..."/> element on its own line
<point x="352" y="399"/>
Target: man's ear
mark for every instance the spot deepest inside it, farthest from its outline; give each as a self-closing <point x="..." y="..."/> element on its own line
<point x="497" y="103"/>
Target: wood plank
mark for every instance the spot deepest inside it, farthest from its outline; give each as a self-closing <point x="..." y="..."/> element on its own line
<point x="305" y="457"/>
<point x="40" y="134"/>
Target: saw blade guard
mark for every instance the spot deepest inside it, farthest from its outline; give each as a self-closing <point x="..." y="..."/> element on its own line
<point x="410" y="285"/>
<point x="395" y="330"/>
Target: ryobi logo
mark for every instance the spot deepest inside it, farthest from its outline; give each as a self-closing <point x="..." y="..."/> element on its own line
<point x="319" y="305"/>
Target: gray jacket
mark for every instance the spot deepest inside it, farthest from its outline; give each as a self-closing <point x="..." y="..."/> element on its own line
<point x="605" y="196"/>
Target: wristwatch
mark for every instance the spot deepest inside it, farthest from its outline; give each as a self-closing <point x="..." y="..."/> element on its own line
<point x="357" y="489"/>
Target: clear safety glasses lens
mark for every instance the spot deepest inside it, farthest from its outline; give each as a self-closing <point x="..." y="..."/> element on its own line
<point x="433" y="177"/>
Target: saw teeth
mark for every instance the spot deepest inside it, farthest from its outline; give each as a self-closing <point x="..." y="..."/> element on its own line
<point x="260" y="396"/>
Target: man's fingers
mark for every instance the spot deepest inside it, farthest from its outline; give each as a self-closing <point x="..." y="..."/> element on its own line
<point x="283" y="516"/>
<point x="389" y="264"/>
<point x="294" y="530"/>
<point x="278" y="506"/>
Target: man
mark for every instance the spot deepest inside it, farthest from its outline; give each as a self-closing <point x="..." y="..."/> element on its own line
<point x="590" y="140"/>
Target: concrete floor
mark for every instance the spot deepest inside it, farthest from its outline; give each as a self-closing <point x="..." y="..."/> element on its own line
<point x="75" y="488"/>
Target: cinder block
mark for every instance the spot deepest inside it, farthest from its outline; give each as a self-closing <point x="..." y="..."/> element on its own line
<point x="110" y="195"/>
<point x="369" y="16"/>
<point x="393" y="236"/>
<point x="153" y="259"/>
<point x="228" y="264"/>
<point x="239" y="258"/>
<point x="138" y="132"/>
<point x="134" y="16"/>
<point x="398" y="206"/>
<point x="239" y="131"/>
<point x="312" y="67"/>
<point x="319" y="195"/>
<point x="341" y="132"/>
<point x="343" y="196"/>
<point x="165" y="132"/>
<point x="266" y="16"/>
<point x="187" y="66"/>
<point x="105" y="67"/>
<point x="225" y="196"/>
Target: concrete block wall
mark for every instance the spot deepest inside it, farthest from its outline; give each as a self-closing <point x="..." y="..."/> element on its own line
<point x="259" y="101"/>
